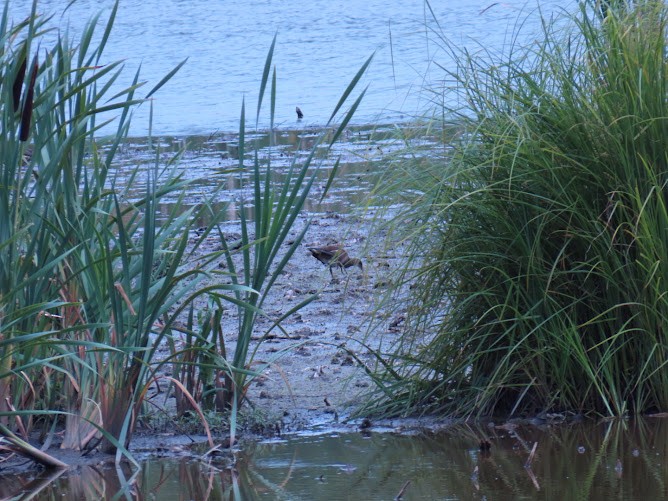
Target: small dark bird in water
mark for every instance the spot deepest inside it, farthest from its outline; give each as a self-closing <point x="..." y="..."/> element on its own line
<point x="334" y="255"/>
<point x="365" y="424"/>
<point x="300" y="115"/>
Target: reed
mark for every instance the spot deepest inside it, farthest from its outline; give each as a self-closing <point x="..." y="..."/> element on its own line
<point x="264" y="249"/>
<point x="538" y="248"/>
<point x="90" y="283"/>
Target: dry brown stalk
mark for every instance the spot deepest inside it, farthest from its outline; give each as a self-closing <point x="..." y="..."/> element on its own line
<point x="531" y="455"/>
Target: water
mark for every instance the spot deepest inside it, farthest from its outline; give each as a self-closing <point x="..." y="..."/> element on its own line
<point x="209" y="160"/>
<point x="609" y="460"/>
<point x="320" y="46"/>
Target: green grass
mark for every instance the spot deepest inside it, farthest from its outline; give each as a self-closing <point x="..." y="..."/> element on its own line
<point x="538" y="247"/>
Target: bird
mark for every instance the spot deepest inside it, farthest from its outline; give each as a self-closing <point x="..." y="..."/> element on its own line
<point x="335" y="255"/>
<point x="300" y="115"/>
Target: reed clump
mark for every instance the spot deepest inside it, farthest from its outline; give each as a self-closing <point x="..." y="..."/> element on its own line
<point x="89" y="281"/>
<point x="538" y="274"/>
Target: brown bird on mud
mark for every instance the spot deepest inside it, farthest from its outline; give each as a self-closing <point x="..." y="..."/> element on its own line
<point x="300" y="115"/>
<point x="334" y="255"/>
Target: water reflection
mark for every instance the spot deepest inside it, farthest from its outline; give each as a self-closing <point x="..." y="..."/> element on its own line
<point x="212" y="164"/>
<point x="610" y="460"/>
<point x="166" y="480"/>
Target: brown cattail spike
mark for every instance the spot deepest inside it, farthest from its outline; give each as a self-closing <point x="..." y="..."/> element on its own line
<point x="26" y="115"/>
<point x="485" y="445"/>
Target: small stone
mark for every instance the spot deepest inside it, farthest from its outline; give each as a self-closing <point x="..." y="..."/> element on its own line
<point x="348" y="360"/>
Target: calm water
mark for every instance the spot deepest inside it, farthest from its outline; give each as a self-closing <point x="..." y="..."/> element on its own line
<point x="208" y="161"/>
<point x="321" y="45"/>
<point x="613" y="460"/>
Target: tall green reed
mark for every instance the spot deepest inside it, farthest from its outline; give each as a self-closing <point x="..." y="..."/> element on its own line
<point x="90" y="283"/>
<point x="538" y="266"/>
<point x="264" y="249"/>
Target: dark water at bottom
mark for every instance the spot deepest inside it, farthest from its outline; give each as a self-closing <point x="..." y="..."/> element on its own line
<point x="608" y="460"/>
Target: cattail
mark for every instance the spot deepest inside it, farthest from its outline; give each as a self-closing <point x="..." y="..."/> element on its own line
<point x="26" y="115"/>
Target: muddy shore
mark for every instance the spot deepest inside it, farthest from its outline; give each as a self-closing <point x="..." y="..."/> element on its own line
<point x="316" y="378"/>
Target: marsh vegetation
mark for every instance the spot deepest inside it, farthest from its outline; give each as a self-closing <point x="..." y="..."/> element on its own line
<point x="91" y="284"/>
<point x="533" y="241"/>
<point x="537" y="261"/>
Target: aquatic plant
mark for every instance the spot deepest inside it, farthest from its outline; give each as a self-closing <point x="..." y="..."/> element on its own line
<point x="90" y="283"/>
<point x="264" y="248"/>
<point x="538" y="249"/>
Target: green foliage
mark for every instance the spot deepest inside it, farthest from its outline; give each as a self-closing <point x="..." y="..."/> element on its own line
<point x="263" y="252"/>
<point x="539" y="268"/>
<point x="90" y="283"/>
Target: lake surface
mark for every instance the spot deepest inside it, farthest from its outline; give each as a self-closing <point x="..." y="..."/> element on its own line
<point x="621" y="460"/>
<point x="320" y="46"/>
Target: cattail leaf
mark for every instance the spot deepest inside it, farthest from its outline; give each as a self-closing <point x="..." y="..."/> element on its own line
<point x="351" y="86"/>
<point x="265" y="78"/>
<point x="18" y="80"/>
<point x="167" y="77"/>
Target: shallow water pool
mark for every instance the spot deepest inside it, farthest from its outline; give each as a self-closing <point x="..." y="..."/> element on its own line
<point x="594" y="461"/>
